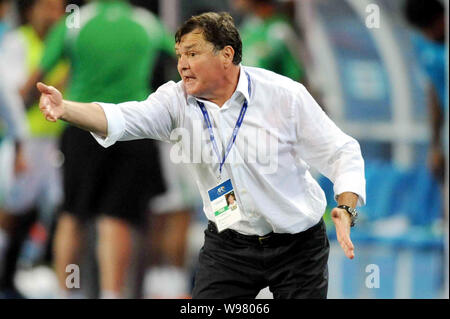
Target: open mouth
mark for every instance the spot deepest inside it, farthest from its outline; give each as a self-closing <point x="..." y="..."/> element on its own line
<point x="188" y="79"/>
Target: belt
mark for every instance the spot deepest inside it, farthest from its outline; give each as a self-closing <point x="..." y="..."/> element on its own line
<point x="266" y="240"/>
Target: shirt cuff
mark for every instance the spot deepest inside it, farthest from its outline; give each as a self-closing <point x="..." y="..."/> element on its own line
<point x="351" y="183"/>
<point x="115" y="124"/>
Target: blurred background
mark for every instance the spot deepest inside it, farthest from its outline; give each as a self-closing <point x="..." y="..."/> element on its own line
<point x="380" y="72"/>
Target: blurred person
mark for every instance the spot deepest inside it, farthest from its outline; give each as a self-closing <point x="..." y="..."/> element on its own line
<point x="168" y="275"/>
<point x="428" y="17"/>
<point x="36" y="186"/>
<point x="113" y="53"/>
<point x="276" y="237"/>
<point x="11" y="109"/>
<point x="12" y="131"/>
<point x="269" y="40"/>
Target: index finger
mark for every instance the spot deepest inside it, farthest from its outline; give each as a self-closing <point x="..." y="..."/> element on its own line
<point x="45" y="88"/>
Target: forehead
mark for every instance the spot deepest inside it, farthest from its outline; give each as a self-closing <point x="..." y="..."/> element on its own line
<point x="193" y="39"/>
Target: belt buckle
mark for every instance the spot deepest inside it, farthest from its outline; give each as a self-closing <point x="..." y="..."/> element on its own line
<point x="261" y="239"/>
<point x="212" y="227"/>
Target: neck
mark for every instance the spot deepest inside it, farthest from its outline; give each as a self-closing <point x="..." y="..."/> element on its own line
<point x="228" y="87"/>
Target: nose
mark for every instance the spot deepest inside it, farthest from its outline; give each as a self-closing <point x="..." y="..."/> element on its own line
<point x="182" y="63"/>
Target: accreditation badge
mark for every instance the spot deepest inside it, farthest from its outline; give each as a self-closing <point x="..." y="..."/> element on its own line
<point x="224" y="204"/>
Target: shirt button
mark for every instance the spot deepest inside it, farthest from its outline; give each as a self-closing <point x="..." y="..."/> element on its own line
<point x="244" y="191"/>
<point x="254" y="215"/>
<point x="249" y="214"/>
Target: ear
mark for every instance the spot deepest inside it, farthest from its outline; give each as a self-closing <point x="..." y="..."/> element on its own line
<point x="228" y="55"/>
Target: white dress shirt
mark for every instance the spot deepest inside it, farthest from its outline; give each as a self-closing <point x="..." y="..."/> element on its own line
<point x="283" y="132"/>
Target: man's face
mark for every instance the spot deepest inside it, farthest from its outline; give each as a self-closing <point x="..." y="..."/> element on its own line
<point x="200" y="67"/>
<point x="46" y="12"/>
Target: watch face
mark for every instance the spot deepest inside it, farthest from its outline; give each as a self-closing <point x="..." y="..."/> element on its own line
<point x="351" y="211"/>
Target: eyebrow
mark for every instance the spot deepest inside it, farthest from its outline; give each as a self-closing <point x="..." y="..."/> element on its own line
<point x="189" y="47"/>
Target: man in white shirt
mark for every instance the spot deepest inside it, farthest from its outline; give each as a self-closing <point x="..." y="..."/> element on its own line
<point x="248" y="131"/>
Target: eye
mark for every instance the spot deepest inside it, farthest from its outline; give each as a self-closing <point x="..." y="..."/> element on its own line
<point x="192" y="54"/>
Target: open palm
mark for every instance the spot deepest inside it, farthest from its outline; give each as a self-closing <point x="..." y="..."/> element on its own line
<point x="342" y="223"/>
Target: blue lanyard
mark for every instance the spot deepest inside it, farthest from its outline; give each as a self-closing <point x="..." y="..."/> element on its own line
<point x="235" y="131"/>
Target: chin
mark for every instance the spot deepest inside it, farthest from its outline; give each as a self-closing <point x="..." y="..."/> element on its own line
<point x="192" y="91"/>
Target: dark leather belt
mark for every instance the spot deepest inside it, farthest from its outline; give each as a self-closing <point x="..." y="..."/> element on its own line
<point x="266" y="240"/>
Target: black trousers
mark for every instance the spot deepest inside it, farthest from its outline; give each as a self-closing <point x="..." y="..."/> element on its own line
<point x="232" y="265"/>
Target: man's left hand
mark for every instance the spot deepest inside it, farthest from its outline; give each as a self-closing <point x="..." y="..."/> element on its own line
<point x="342" y="222"/>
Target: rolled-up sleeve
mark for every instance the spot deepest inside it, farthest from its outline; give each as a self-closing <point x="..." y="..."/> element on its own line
<point x="116" y="124"/>
<point x="154" y="118"/>
<point x="325" y="147"/>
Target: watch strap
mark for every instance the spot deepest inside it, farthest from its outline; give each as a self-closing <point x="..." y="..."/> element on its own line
<point x="352" y="212"/>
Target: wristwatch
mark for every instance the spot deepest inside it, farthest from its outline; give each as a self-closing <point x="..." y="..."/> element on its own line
<point x="353" y="213"/>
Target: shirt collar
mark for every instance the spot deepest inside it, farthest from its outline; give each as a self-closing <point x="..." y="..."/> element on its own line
<point x="242" y="86"/>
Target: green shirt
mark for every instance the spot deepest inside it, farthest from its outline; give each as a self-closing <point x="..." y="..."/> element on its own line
<point x="273" y="45"/>
<point x="112" y="54"/>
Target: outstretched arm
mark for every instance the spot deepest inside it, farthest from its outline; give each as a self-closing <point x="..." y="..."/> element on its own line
<point x="87" y="116"/>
